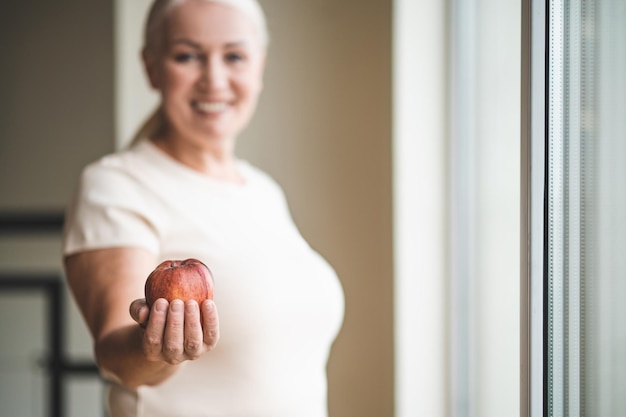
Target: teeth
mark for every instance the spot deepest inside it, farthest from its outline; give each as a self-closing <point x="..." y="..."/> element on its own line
<point x="211" y="107"/>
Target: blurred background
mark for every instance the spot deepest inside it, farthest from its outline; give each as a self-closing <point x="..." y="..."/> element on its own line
<point x="394" y="128"/>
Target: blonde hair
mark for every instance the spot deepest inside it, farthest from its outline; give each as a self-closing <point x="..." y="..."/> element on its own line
<point x="153" y="42"/>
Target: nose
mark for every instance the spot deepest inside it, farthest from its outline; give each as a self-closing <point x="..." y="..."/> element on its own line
<point x="214" y="73"/>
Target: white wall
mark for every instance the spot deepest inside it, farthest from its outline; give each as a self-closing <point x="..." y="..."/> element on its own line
<point x="420" y="152"/>
<point x="456" y="207"/>
<point x="134" y="99"/>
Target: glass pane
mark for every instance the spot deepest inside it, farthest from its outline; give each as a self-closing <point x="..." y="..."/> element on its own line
<point x="586" y="279"/>
<point x="23" y="381"/>
<point x="605" y="370"/>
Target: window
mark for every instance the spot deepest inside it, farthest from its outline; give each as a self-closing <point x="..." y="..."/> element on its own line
<point x="586" y="266"/>
<point x="577" y="204"/>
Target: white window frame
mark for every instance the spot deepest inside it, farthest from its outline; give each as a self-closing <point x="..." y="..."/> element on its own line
<point x="533" y="137"/>
<point x="419" y="171"/>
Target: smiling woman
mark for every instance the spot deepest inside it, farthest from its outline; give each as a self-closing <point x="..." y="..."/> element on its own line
<point x="208" y="68"/>
<point x="179" y="191"/>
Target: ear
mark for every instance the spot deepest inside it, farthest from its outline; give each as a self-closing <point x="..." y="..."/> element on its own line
<point x="152" y="69"/>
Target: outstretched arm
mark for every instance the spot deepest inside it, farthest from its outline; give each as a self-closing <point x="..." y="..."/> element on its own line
<point x="139" y="347"/>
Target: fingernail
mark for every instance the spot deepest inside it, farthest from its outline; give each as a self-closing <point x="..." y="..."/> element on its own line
<point x="177" y="305"/>
<point x="160" y="306"/>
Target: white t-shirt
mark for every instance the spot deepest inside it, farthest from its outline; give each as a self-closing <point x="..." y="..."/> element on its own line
<point x="280" y="304"/>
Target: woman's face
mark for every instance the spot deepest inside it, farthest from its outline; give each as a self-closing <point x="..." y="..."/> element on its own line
<point x="209" y="74"/>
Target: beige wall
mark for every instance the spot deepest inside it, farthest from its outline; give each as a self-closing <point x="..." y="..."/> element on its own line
<point x="323" y="130"/>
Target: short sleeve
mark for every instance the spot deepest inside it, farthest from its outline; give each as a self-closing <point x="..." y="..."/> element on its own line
<point x="109" y="209"/>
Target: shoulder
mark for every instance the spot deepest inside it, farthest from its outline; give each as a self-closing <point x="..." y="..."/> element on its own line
<point x="117" y="173"/>
<point x="117" y="162"/>
<point x="112" y="208"/>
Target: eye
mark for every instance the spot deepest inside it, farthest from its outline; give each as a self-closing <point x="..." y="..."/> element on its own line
<point x="185" y="57"/>
<point x="234" y="57"/>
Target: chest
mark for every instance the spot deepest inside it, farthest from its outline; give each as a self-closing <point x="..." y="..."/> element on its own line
<point x="269" y="284"/>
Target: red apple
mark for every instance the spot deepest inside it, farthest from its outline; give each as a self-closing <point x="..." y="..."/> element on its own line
<point x="180" y="280"/>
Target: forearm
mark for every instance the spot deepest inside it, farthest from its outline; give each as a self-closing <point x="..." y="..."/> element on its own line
<point x="106" y="284"/>
<point x="120" y="356"/>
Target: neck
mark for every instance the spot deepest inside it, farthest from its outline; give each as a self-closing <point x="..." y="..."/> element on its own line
<point x="218" y="163"/>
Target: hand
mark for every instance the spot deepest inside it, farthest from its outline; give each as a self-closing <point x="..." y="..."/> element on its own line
<point x="175" y="332"/>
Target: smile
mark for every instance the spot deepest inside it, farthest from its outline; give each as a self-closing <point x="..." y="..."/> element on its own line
<point x="211" y="106"/>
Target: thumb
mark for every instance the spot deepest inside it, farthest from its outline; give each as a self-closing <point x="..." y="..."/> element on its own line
<point x="139" y="311"/>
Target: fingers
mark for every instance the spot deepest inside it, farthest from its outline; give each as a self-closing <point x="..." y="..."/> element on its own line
<point x="193" y="331"/>
<point x="175" y="331"/>
<point x="153" y="336"/>
<point x="173" y="339"/>
<point x="211" y="328"/>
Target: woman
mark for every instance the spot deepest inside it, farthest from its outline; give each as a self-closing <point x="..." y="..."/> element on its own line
<point x="179" y="192"/>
